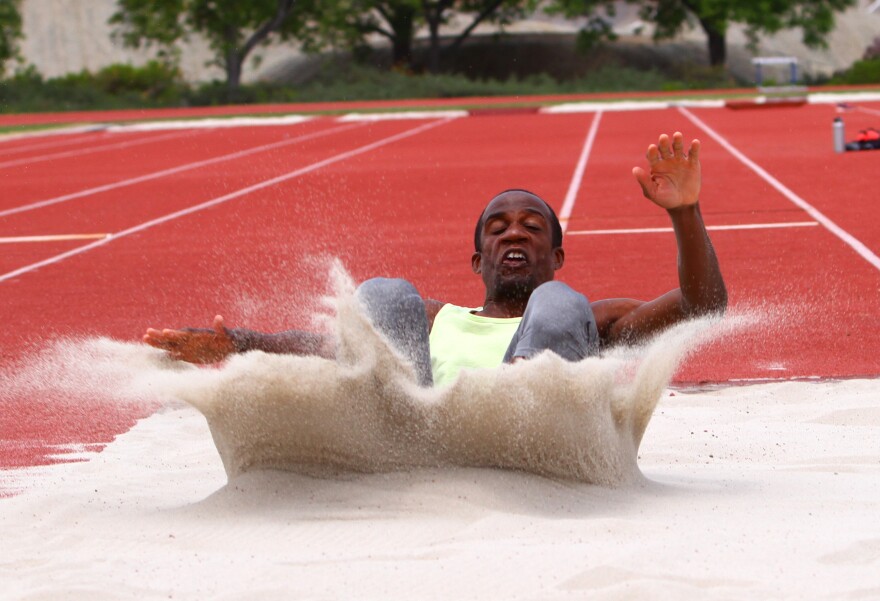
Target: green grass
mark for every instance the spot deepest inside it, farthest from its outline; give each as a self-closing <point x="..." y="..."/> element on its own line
<point x="865" y="71"/>
<point x="158" y="86"/>
<point x="20" y="129"/>
<point x="154" y="86"/>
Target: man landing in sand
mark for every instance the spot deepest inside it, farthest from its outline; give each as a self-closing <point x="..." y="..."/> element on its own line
<point x="518" y="248"/>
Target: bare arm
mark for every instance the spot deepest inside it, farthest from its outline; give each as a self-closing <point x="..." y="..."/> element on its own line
<point x="673" y="184"/>
<point x="210" y="345"/>
<point x="432" y="308"/>
<point x="290" y="342"/>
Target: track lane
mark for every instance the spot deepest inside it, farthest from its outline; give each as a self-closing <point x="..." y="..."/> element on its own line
<point x="108" y="292"/>
<point x="16" y="147"/>
<point x="253" y="260"/>
<point x="408" y="209"/>
<point x="102" y="147"/>
<point x="805" y="328"/>
<point x="14" y="255"/>
<point x="228" y="158"/>
<point x="795" y="146"/>
<point x="119" y="209"/>
<point x="34" y="183"/>
<point x="428" y="210"/>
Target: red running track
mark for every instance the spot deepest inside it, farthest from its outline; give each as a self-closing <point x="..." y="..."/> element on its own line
<point x="399" y="198"/>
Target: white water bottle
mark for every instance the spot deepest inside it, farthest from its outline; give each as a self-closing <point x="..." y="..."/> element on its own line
<point x="839" y="135"/>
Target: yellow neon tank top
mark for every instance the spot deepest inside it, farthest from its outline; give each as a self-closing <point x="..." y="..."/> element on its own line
<point x="459" y="339"/>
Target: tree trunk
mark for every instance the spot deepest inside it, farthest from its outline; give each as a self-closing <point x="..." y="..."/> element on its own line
<point x="235" y="57"/>
<point x="401" y="52"/>
<point x="434" y="47"/>
<point x="487" y="11"/>
<point x="433" y="12"/>
<point x="717" y="49"/>
<point x="401" y="22"/>
<point x="717" y="44"/>
<point x="234" y="61"/>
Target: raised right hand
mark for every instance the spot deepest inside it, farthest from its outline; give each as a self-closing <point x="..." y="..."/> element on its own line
<point x="674" y="180"/>
<point x="194" y="345"/>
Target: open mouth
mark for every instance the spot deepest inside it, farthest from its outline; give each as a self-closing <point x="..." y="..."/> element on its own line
<point x="514" y="258"/>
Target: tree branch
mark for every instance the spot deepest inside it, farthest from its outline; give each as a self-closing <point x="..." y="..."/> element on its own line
<point x="368" y="28"/>
<point x="477" y="20"/>
<point x="285" y="7"/>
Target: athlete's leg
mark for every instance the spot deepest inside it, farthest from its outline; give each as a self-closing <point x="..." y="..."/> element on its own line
<point x="558" y="319"/>
<point x="398" y="312"/>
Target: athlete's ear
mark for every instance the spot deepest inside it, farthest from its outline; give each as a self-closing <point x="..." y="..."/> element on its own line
<point x="477" y="262"/>
<point x="558" y="258"/>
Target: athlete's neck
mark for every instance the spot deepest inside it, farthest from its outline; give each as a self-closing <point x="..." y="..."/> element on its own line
<point x="496" y="308"/>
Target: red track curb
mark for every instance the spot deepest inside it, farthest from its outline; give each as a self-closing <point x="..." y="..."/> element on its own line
<point x="767" y="103"/>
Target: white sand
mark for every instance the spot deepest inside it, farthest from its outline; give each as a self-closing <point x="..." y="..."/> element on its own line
<point x="767" y="491"/>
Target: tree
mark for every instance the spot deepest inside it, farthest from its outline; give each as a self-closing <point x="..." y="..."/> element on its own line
<point x="396" y="20"/>
<point x="233" y="28"/>
<point x="10" y="30"/>
<point x="598" y="14"/>
<point x="350" y="22"/>
<point x="814" y="17"/>
<point x="436" y="13"/>
<point x="873" y="51"/>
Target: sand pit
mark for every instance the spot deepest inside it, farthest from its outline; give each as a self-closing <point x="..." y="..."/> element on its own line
<point x="483" y="490"/>
<point x="767" y="491"/>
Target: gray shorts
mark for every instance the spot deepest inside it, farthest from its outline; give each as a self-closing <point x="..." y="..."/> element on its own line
<point x="556" y="318"/>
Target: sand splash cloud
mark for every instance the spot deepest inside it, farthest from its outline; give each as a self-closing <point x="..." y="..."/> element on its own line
<point x="364" y="412"/>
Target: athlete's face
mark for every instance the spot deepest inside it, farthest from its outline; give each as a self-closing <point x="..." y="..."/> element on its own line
<point x="516" y="253"/>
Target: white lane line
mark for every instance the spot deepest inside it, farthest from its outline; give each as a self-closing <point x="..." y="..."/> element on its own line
<point x="717" y="228"/>
<point x="211" y="123"/>
<point x="401" y="115"/>
<point x="174" y="170"/>
<point x="225" y="198"/>
<point x="63" y="141"/>
<point x="56" y="238"/>
<point x="575" y="185"/>
<point x="91" y="149"/>
<point x="812" y="211"/>
<point x="589" y="107"/>
<point x="867" y="110"/>
<point x="51" y="131"/>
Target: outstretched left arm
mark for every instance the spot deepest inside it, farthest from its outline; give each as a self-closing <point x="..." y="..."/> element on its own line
<point x="673" y="183"/>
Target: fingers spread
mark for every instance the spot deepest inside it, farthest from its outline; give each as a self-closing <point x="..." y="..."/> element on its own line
<point x="665" y="147"/>
<point x="159" y="342"/>
<point x="176" y="335"/>
<point x="694" y="152"/>
<point x="678" y="145"/>
<point x="218" y="325"/>
<point x="644" y="180"/>
<point x="167" y="339"/>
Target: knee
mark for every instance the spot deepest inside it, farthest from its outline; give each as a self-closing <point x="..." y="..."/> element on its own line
<point x="387" y="291"/>
<point x="557" y="298"/>
<point x="556" y="307"/>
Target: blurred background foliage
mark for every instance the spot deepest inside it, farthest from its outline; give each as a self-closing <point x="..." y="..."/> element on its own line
<point x="368" y="49"/>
